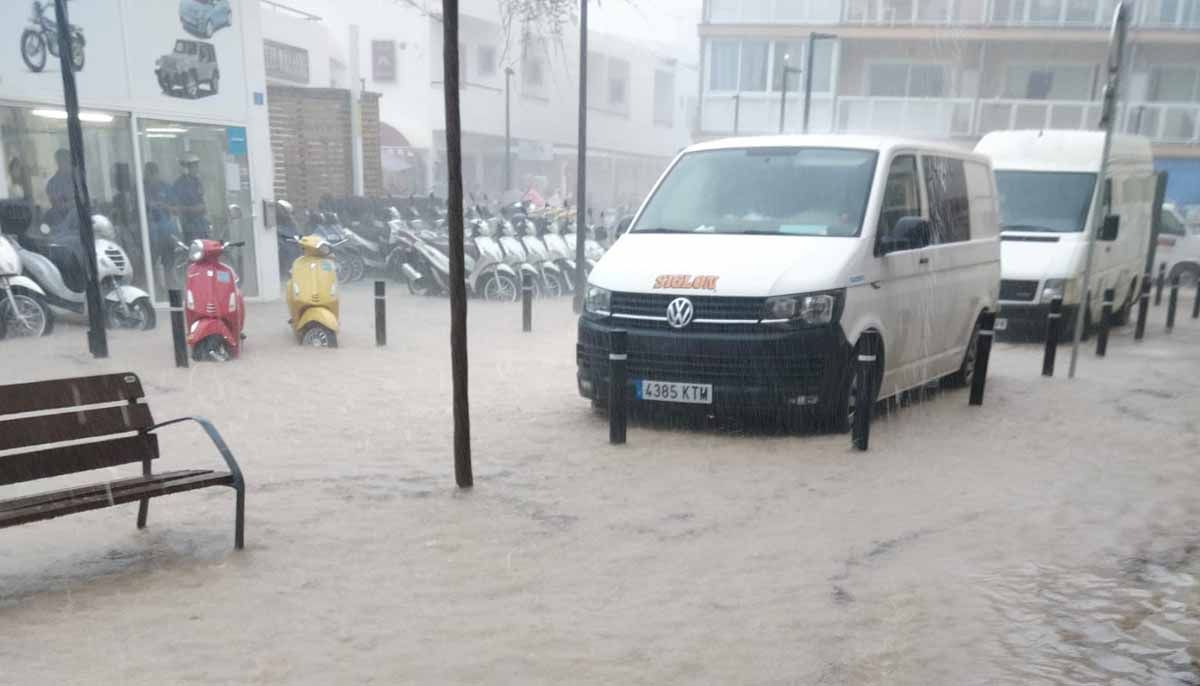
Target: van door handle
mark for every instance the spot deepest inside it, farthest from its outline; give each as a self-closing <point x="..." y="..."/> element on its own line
<point x="923" y="260"/>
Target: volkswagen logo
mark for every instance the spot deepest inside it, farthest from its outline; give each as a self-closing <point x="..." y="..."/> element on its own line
<point x="679" y="313"/>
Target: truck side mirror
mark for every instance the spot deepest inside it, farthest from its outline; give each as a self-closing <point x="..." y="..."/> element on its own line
<point x="1112" y="226"/>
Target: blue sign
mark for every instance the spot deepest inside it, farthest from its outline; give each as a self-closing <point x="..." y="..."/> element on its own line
<point x="235" y="138"/>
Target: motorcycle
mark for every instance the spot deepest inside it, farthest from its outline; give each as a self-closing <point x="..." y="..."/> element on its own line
<point x="214" y="306"/>
<point x="548" y="230"/>
<point x="515" y="255"/>
<point x="54" y="259"/>
<point x="553" y="282"/>
<point x="23" y="307"/>
<point x="312" y="296"/>
<point x="373" y="247"/>
<point x="328" y="226"/>
<point x="42" y="36"/>
<point x="592" y="250"/>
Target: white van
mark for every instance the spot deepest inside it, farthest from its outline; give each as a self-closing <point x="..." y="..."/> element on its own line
<point x="1046" y="181"/>
<point x="755" y="265"/>
<point x="1178" y="247"/>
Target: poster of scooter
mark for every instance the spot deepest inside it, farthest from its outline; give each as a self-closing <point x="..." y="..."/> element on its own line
<point x="180" y="56"/>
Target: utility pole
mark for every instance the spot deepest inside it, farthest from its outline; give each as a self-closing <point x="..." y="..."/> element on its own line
<point x="97" y="338"/>
<point x="1108" y="120"/>
<point x="813" y="37"/>
<point x="581" y="157"/>
<point x="508" y="74"/>
<point x="454" y="211"/>
<point x="787" y="69"/>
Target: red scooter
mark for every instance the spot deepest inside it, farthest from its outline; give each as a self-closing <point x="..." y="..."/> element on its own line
<point x="214" y="306"/>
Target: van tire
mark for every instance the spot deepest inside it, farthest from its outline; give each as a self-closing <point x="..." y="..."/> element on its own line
<point x="966" y="370"/>
<point x="1121" y="316"/>
<point x="833" y="415"/>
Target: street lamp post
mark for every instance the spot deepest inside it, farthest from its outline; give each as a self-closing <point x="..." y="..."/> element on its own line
<point x="508" y="74"/>
<point x="813" y="37"/>
<point x="737" y="112"/>
<point x="787" y="69"/>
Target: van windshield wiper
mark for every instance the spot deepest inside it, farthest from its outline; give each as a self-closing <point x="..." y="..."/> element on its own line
<point x="1030" y="227"/>
<point x="658" y="230"/>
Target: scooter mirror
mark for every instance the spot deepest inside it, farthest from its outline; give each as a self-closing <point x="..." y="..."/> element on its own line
<point x="235" y="212"/>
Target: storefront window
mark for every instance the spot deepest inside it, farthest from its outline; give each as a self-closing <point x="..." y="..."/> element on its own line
<point x="197" y="185"/>
<point x="34" y="147"/>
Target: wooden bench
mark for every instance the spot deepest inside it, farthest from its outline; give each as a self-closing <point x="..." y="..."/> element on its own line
<point x="67" y="426"/>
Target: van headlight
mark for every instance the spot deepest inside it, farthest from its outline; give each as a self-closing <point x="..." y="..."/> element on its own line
<point x="1067" y="289"/>
<point x="816" y="308"/>
<point x="598" y="301"/>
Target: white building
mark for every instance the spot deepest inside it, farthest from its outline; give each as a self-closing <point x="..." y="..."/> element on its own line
<point x="640" y="95"/>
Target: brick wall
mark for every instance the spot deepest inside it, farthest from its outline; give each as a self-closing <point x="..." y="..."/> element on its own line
<point x="311" y="145"/>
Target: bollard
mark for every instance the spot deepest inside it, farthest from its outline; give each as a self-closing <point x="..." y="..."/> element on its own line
<point x="1143" y="309"/>
<point x="1086" y="314"/>
<point x="175" y="304"/>
<point x="380" y="315"/>
<point x="617" y="358"/>
<point x="864" y="391"/>
<point x="983" y="352"/>
<point x="1196" y="302"/>
<point x="1172" y="302"/>
<point x="1159" y="283"/>
<point x="1105" y="322"/>
<point x="1053" y="324"/>
<point x="526" y="302"/>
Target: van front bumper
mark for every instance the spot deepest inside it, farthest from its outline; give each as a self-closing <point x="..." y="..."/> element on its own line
<point x="767" y="368"/>
<point x="1026" y="321"/>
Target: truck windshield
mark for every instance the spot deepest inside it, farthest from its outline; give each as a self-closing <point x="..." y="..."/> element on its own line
<point x="786" y="191"/>
<point x="1055" y="202"/>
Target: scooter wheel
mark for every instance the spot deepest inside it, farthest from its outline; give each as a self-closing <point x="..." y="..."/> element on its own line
<point x="318" y="336"/>
<point x="212" y="349"/>
<point x="139" y="315"/>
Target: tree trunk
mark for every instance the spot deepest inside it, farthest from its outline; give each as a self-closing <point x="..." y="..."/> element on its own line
<point x="458" y="287"/>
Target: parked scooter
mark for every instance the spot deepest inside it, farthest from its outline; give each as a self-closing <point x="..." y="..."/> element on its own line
<point x="41" y="36"/>
<point x="592" y="250"/>
<point x="54" y="259"/>
<point x="515" y="255"/>
<point x="23" y="307"/>
<point x="560" y="253"/>
<point x="312" y="296"/>
<point x="553" y="283"/>
<point x="327" y="225"/>
<point x="214" y="306"/>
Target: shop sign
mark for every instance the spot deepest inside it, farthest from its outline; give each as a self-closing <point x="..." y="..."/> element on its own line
<point x="383" y="60"/>
<point x="285" y="62"/>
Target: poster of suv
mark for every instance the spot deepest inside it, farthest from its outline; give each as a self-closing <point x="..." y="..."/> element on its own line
<point x="40" y="39"/>
<point x="203" y="18"/>
<point x="191" y="65"/>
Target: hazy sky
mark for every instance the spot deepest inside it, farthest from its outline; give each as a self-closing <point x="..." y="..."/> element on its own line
<point x="661" y="21"/>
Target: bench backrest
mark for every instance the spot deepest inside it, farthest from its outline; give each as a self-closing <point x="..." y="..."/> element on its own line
<point x="52" y="428"/>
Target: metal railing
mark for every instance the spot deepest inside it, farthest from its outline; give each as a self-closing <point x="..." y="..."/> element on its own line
<point x="938" y="117"/>
<point x="1164" y="122"/>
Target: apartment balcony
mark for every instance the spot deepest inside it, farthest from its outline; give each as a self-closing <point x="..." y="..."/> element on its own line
<point x="944" y="118"/>
<point x="1148" y="14"/>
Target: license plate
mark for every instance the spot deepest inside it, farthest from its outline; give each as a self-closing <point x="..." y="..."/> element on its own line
<point x="675" y="392"/>
<point x="1001" y="324"/>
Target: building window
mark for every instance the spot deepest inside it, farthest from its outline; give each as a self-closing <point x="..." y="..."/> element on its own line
<point x="737" y="65"/>
<point x="485" y="59"/>
<point x="1174" y="84"/>
<point x="886" y="79"/>
<point x="790" y="54"/>
<point x="597" y="81"/>
<point x="618" y="84"/>
<point x="533" y="71"/>
<point x="1039" y="82"/>
<point x="664" y="97"/>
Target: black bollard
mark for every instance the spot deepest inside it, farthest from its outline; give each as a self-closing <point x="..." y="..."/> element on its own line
<point x="1087" y="310"/>
<point x="617" y="359"/>
<point x="1143" y="309"/>
<point x="526" y="302"/>
<point x="380" y="315"/>
<point x="1172" y="302"/>
<point x="1159" y="283"/>
<point x="1196" y="302"/>
<point x="1053" y="324"/>
<point x="983" y="353"/>
<point x="1105" y="321"/>
<point x="179" y="337"/>
<point x="864" y="390"/>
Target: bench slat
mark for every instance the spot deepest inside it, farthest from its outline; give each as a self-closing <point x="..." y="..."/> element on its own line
<point x="86" y="390"/>
<point x="151" y="489"/>
<point x="69" y="426"/>
<point x="94" y="489"/>
<point x="70" y="459"/>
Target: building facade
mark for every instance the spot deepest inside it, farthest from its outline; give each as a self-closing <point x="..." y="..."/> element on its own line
<point x="954" y="69"/>
<point x="159" y="83"/>
<point x="641" y="97"/>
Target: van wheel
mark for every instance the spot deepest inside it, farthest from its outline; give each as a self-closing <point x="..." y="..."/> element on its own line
<point x="966" y="370"/>
<point x="1121" y="316"/>
<point x="836" y="414"/>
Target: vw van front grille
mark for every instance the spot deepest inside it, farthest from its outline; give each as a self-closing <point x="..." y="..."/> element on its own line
<point x="733" y="310"/>
<point x="1018" y="291"/>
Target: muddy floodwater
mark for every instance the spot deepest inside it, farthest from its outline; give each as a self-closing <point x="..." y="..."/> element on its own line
<point x="1050" y="537"/>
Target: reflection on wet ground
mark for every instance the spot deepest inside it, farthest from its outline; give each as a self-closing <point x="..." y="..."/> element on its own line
<point x="1139" y="625"/>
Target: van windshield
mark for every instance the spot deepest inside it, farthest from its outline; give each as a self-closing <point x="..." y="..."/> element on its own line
<point x="1055" y="202"/>
<point x="786" y="191"/>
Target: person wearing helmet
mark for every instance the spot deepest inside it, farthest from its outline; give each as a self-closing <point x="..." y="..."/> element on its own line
<point x="188" y="194"/>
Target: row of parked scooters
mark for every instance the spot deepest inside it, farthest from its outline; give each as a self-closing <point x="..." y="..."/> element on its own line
<point x="503" y="245"/>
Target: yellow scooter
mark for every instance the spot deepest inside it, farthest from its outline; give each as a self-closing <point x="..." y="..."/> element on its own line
<point x="312" y="294"/>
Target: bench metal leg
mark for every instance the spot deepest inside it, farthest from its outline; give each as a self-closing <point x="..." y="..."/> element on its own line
<point x="240" y="518"/>
<point x="143" y="510"/>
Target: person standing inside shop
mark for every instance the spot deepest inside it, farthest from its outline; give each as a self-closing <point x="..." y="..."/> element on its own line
<point x="60" y="189"/>
<point x="158" y="214"/>
<point x="188" y="194"/>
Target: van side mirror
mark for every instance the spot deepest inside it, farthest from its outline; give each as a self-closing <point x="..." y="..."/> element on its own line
<point x="235" y="212"/>
<point x="1112" y="226"/>
<point x="909" y="233"/>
